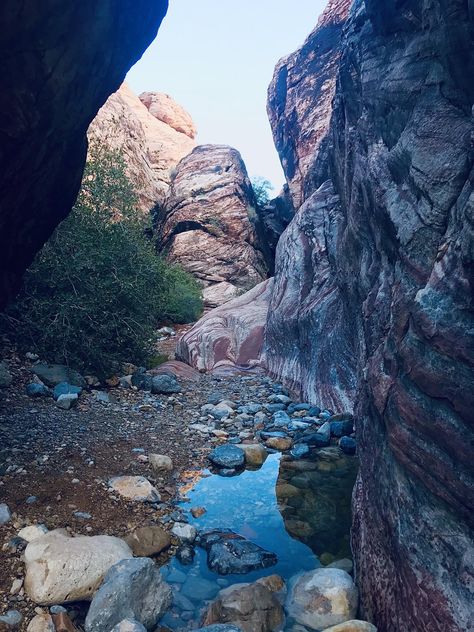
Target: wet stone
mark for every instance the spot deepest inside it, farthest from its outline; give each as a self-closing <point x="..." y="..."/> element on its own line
<point x="230" y="553"/>
<point x="227" y="456"/>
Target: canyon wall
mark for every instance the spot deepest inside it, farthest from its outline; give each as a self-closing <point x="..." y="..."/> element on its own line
<point x="374" y="284"/>
<point x="60" y="61"/>
<point x="153" y="134"/>
<point x="209" y="223"/>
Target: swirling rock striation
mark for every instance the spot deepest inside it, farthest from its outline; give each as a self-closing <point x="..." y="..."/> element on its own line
<point x="376" y="304"/>
<point x="60" y="62"/>
<point x="209" y="223"/>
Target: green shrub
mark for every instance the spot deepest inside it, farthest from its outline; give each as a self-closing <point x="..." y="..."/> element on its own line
<point x="261" y="188"/>
<point x="95" y="293"/>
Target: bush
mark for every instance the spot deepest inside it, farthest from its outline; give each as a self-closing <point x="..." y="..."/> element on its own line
<point x="97" y="290"/>
<point x="262" y="188"/>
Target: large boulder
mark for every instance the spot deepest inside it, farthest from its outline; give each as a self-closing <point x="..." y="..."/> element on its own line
<point x="61" y="569"/>
<point x="229" y="338"/>
<point x="52" y="87"/>
<point x="209" y="222"/>
<point x="322" y="598"/>
<point x="250" y="607"/>
<point x="132" y="589"/>
<point x="150" y="140"/>
<point x="373" y="295"/>
<point x="56" y="374"/>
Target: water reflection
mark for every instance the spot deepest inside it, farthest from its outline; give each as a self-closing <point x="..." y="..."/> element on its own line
<point x="293" y="509"/>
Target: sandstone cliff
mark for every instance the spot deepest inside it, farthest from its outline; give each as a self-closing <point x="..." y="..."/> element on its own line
<point x="153" y="132"/>
<point x="376" y="306"/>
<point x="209" y="224"/>
<point x="61" y="60"/>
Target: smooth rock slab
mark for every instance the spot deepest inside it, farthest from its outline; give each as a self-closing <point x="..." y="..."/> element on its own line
<point x="132" y="589"/>
<point x="230" y="553"/>
<point x="61" y="569"/>
<point x="227" y="456"/>
<point x="136" y="488"/>
<point x="322" y="598"/>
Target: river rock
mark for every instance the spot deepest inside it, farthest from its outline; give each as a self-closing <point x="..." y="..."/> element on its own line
<point x="53" y="374"/>
<point x="5" y="514"/>
<point x="279" y="443"/>
<point x="136" y="488"/>
<point x="148" y="541"/>
<point x="64" y="388"/>
<point x="34" y="389"/>
<point x="160" y="463"/>
<point x="61" y="569"/>
<point x="41" y="623"/>
<point x="255" y="453"/>
<point x="321" y="598"/>
<point x="341" y="428"/>
<point x="352" y="626"/>
<point x="129" y="625"/>
<point x="142" y="380"/>
<point x="67" y="401"/>
<point x="184" y="532"/>
<point x="251" y="607"/>
<point x="165" y="385"/>
<point x="348" y="445"/>
<point x="10" y="620"/>
<point x="185" y="554"/>
<point x="132" y="589"/>
<point x="227" y="456"/>
<point x="230" y="553"/>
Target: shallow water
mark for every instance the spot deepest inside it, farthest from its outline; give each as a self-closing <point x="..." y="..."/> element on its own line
<point x="316" y="507"/>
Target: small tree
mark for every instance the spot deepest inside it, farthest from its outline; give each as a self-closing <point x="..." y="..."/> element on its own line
<point x="96" y="291"/>
<point x="261" y="188"/>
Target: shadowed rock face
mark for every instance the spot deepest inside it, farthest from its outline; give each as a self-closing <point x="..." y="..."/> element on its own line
<point x="209" y="223"/>
<point x="60" y="61"/>
<point x="381" y="290"/>
<point x="150" y="139"/>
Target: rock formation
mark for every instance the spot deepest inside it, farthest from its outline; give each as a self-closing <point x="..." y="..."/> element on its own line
<point x="153" y="132"/>
<point x="61" y="60"/>
<point x="376" y="306"/>
<point x="231" y="336"/>
<point x="209" y="223"/>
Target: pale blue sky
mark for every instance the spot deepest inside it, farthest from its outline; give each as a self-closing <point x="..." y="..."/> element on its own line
<point x="216" y="58"/>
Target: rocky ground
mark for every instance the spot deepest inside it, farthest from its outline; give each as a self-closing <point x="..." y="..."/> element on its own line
<point x="56" y="465"/>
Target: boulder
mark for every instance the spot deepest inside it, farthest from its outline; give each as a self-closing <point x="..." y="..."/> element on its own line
<point x="136" y="488"/>
<point x="34" y="389"/>
<point x="67" y="401"/>
<point x="132" y="589"/>
<point x="11" y="620"/>
<point x="321" y="598"/>
<point x="148" y="541"/>
<point x="230" y="553"/>
<point x="184" y="532"/>
<point x="63" y="388"/>
<point x="279" y="443"/>
<point x="61" y="569"/>
<point x="32" y="532"/>
<point x="348" y="445"/>
<point x="54" y="374"/>
<point x="250" y="607"/>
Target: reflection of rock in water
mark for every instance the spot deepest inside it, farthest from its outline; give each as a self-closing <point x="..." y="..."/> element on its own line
<point x="314" y="498"/>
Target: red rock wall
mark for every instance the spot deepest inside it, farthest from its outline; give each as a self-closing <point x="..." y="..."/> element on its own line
<point x="384" y="270"/>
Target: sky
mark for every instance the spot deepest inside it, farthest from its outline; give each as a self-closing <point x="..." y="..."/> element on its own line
<point x="216" y="58"/>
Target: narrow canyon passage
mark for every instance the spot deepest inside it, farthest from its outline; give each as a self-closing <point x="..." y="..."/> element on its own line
<point x="224" y="409"/>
